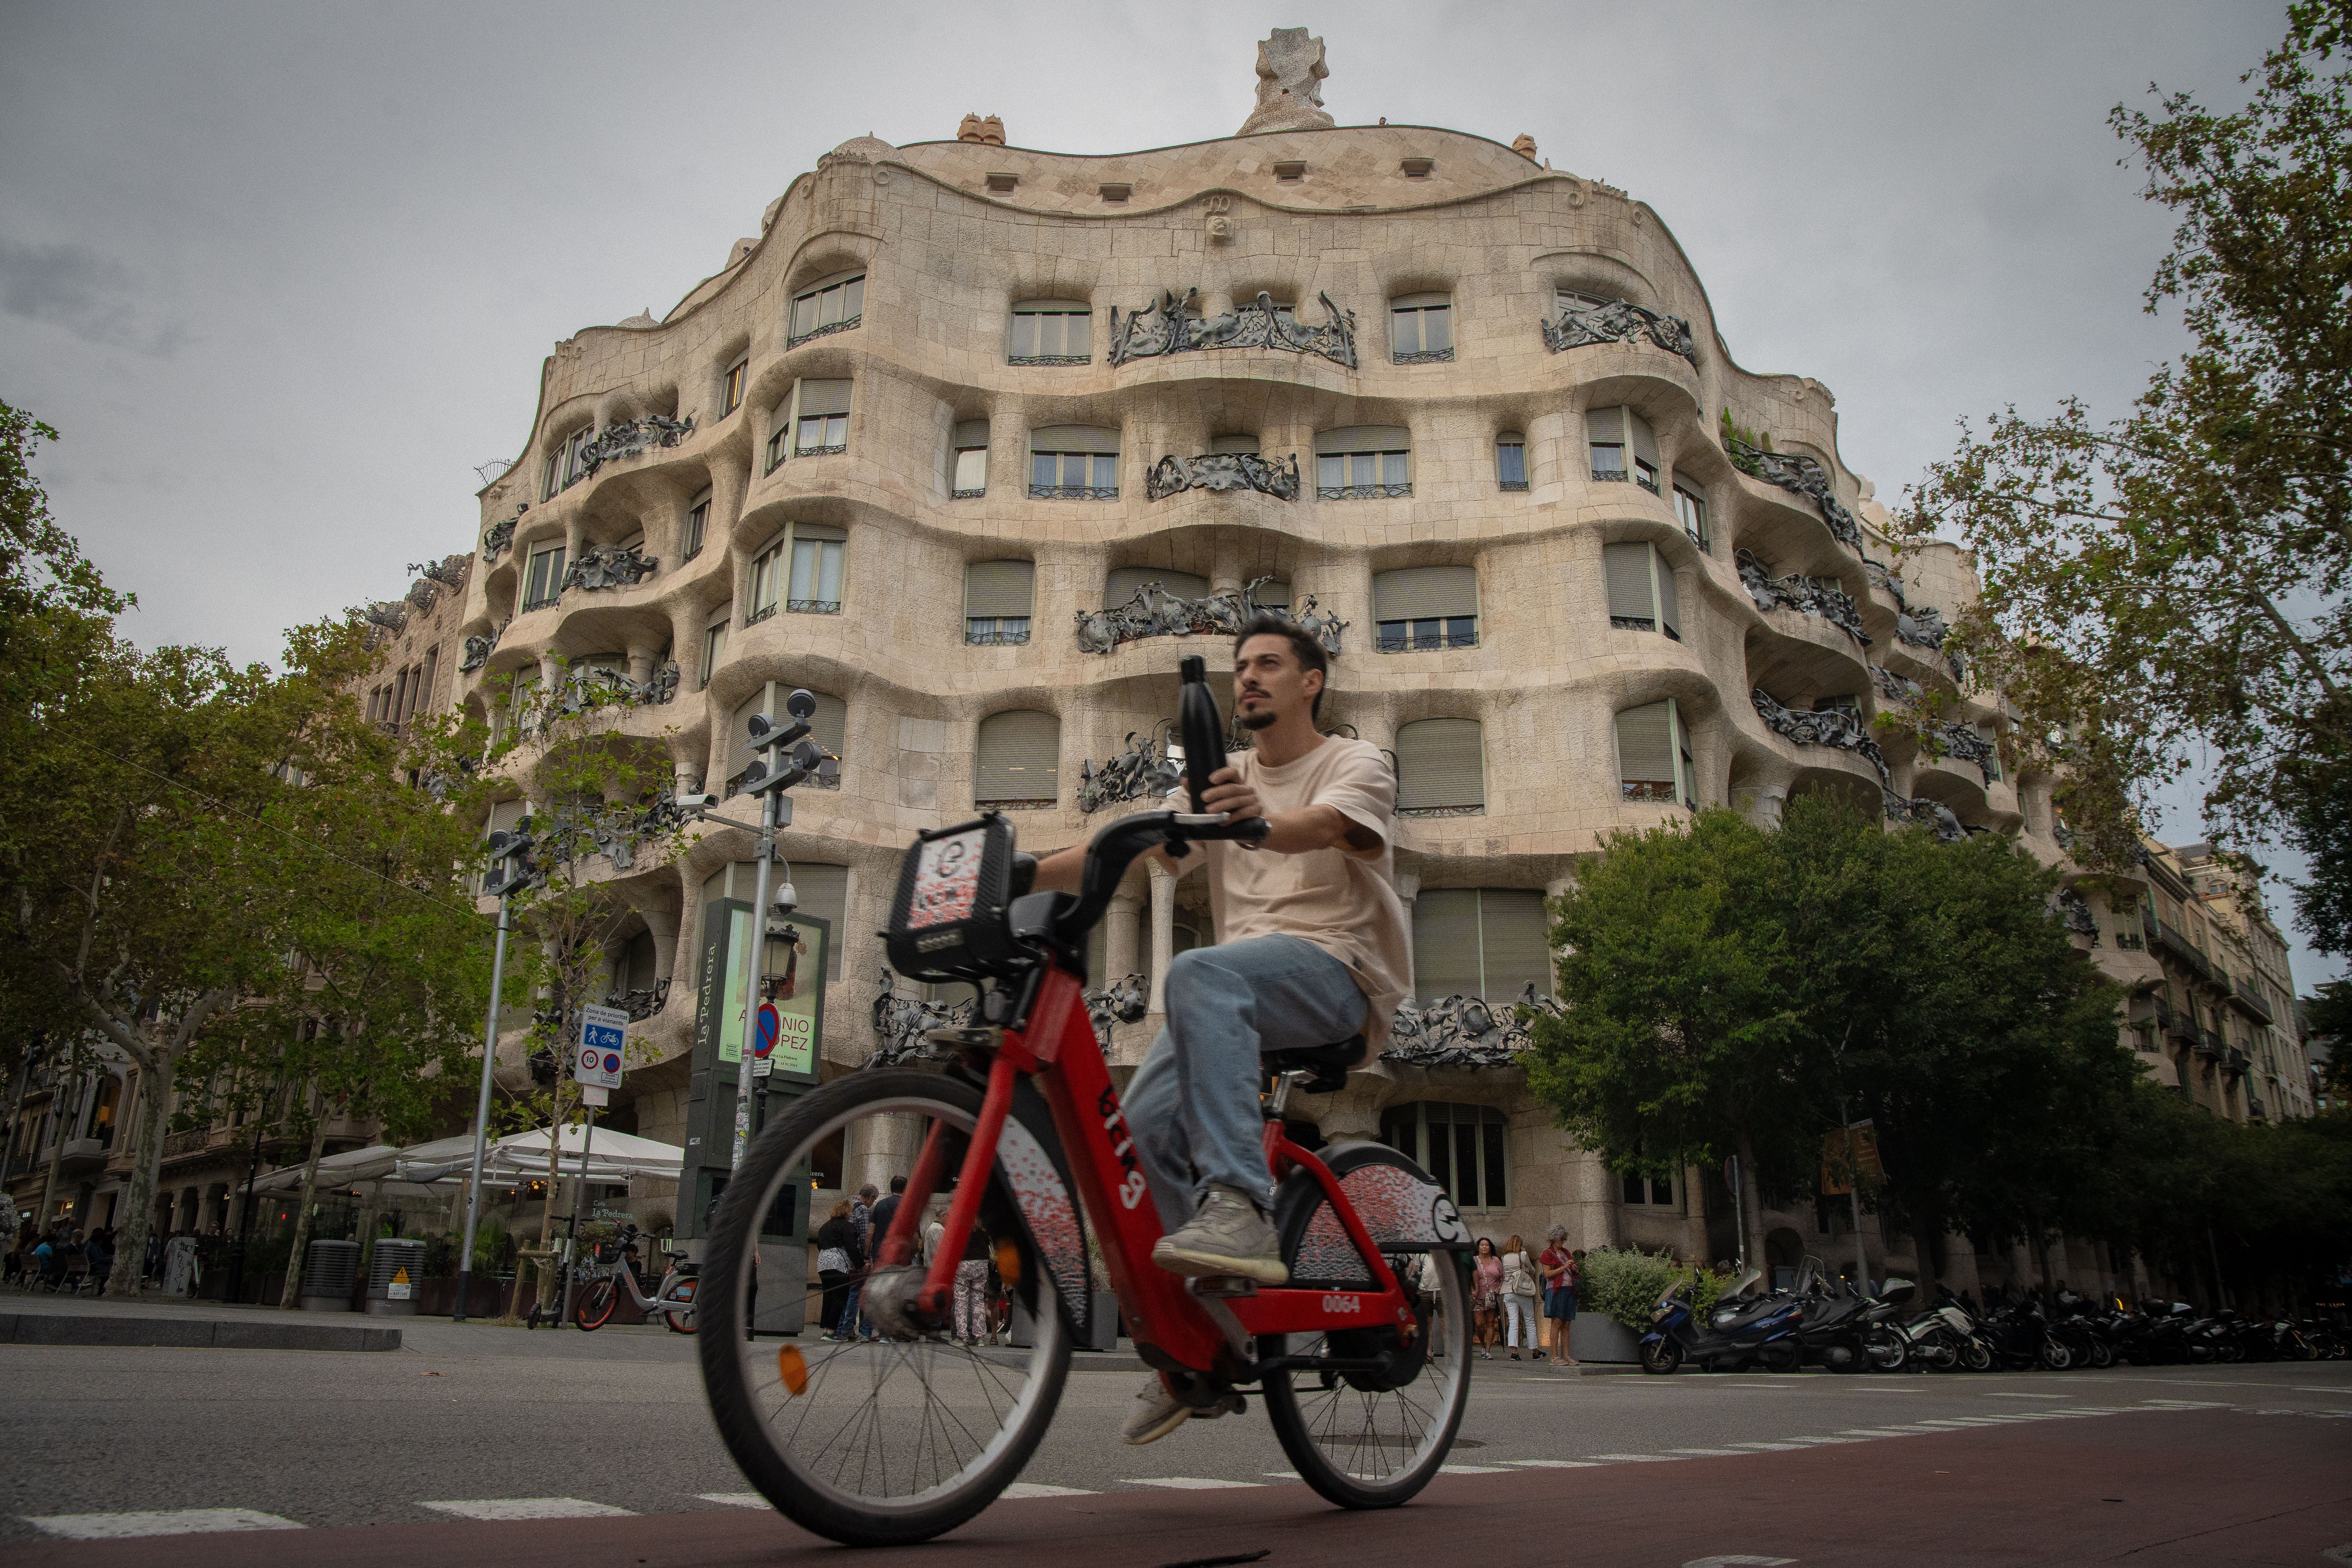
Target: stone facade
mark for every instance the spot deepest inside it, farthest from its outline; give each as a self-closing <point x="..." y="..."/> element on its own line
<point x="813" y="509"/>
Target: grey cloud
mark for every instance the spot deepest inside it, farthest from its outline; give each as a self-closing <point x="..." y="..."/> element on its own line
<point x="92" y="296"/>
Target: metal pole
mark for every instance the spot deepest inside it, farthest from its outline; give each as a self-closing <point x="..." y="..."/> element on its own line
<point x="1738" y="1216"/>
<point x="759" y="954"/>
<point x="245" y="1213"/>
<point x="579" y="1197"/>
<point x="482" y="1109"/>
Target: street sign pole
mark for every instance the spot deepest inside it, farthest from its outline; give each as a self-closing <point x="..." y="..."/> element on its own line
<point x="596" y="1068"/>
<point x="756" y="961"/>
<point x="482" y="1108"/>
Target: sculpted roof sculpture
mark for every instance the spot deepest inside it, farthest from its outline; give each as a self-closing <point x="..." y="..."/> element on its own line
<point x="1290" y="72"/>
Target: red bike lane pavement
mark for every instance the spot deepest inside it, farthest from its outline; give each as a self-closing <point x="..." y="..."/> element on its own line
<point x="2206" y="1487"/>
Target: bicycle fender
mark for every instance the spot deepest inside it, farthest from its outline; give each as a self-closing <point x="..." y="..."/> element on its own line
<point x="1029" y="1167"/>
<point x="1403" y="1209"/>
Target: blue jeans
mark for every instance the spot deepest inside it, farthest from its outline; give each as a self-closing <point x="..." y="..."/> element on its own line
<point x="1192" y="1105"/>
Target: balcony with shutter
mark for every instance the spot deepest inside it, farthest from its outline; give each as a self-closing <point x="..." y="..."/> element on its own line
<point x="1441" y="768"/>
<point x="1425" y="609"/>
<point x="2247" y="996"/>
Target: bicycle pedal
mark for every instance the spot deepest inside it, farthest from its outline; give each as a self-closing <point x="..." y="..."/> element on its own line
<point x="1226" y="1286"/>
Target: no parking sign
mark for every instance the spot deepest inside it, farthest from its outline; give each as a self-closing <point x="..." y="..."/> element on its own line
<point x="597" y="1063"/>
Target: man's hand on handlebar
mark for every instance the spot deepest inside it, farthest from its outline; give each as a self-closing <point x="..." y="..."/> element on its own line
<point x="1297" y="832"/>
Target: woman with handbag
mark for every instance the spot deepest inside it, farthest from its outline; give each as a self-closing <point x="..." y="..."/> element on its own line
<point x="837" y="1257"/>
<point x="1486" y="1292"/>
<point x="1519" y="1295"/>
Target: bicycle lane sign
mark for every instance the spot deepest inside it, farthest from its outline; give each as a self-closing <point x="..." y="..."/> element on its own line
<point x="602" y="1031"/>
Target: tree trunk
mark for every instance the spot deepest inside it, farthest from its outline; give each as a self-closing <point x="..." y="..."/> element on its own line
<point x="153" y="1111"/>
<point x="289" y="1300"/>
<point x="1751" y="1205"/>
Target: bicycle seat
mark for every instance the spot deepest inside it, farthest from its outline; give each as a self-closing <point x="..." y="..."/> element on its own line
<point x="1329" y="1064"/>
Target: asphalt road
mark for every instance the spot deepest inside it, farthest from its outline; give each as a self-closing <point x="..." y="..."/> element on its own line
<point x="480" y="1416"/>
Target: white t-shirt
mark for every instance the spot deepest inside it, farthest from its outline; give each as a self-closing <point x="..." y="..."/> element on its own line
<point x="1342" y="900"/>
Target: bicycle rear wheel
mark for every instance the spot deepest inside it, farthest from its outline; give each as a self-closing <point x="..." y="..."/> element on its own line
<point x="679" y="1322"/>
<point x="1360" y="1440"/>
<point x="885" y="1441"/>
<point x="592" y="1308"/>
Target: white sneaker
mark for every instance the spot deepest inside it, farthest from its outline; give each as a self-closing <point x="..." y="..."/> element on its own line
<point x="1227" y="1236"/>
<point x="1154" y="1414"/>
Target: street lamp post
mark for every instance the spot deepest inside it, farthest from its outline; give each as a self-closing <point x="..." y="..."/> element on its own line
<point x="512" y="869"/>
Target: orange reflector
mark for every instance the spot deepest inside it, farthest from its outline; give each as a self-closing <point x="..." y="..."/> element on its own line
<point x="1008" y="1262"/>
<point x="792" y="1370"/>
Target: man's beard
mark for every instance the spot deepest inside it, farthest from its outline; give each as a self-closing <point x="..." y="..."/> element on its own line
<point x="1263" y="718"/>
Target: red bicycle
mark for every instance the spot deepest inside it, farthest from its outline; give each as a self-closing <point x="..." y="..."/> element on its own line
<point x="903" y="1437"/>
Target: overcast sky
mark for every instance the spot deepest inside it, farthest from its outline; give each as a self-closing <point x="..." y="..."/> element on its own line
<point x="283" y="276"/>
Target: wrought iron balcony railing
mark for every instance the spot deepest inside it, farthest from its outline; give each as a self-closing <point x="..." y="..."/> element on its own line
<point x="1426" y="642"/>
<point x="1362" y="492"/>
<point x="1072" y="492"/>
<point x="814" y="606"/>
<point x="824" y="332"/>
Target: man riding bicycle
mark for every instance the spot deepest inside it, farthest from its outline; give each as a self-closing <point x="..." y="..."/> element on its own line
<point x="1311" y="948"/>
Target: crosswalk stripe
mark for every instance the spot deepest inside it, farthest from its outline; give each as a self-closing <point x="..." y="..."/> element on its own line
<point x="171" y="1521"/>
<point x="1710" y="1453"/>
<point x="526" y="1507"/>
<point x="1635" y="1459"/>
<point x="1039" y="1489"/>
<point x="735" y="1500"/>
<point x="1554" y="1464"/>
<point x="1185" y="1483"/>
<point x="1472" y="1469"/>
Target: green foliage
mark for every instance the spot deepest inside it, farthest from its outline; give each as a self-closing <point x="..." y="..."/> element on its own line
<point x="1727" y="990"/>
<point x="1624" y="1284"/>
<point x="2173" y="583"/>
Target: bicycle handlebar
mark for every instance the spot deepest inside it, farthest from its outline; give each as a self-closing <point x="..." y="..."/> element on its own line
<point x="1116" y="848"/>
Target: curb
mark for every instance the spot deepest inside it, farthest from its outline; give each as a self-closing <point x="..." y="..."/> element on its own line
<point x="190" y="1333"/>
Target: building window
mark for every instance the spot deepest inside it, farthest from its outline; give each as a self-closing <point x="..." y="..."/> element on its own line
<point x="1511" y="460"/>
<point x="543" y="579"/>
<point x="996" y="601"/>
<point x="567" y="466"/>
<point x="1690" y="510"/>
<point x="1073" y="462"/>
<point x="1653" y="757"/>
<point x="1640" y="584"/>
<point x="968" y="457"/>
<point x="1464" y="1149"/>
<point x="1421" y="327"/>
<point x="1441" y="768"/>
<point x="834" y="305"/>
<point x="714" y="648"/>
<point x="731" y="391"/>
<point x="1018" y="767"/>
<point x="1480" y="942"/>
<point x="698" y="525"/>
<point x="1610" y="433"/>
<point x="821" y="420"/>
<point x="1364" y="462"/>
<point x="1419" y="608"/>
<point x="1050" y="331"/>
<point x="803" y="569"/>
<point x="1654" y="1191"/>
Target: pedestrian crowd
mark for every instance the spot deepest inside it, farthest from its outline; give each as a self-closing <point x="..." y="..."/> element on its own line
<point x="1509" y="1289"/>
<point x="62" y="1257"/>
<point x="848" y="1241"/>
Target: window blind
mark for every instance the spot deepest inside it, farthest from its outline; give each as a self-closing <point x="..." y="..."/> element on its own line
<point x="969" y="433"/>
<point x="824" y="397"/>
<point x="739" y="734"/>
<point x="1670" y="609"/>
<point x="1425" y="593"/>
<point x="1446" y="944"/>
<point x="1645" y="747"/>
<point x="999" y="587"/>
<point x="1646" y="440"/>
<point x="823" y="891"/>
<point x="1440" y="763"/>
<point x="1073" y="438"/>
<point x="1625" y="568"/>
<point x="1363" y="438"/>
<point x="1248" y="443"/>
<point x="1604" y="424"/>
<point x="1020" y="757"/>
<point x="1515" y="942"/>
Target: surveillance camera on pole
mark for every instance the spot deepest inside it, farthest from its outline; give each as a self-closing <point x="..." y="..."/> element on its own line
<point x="513" y="868"/>
<point x="770" y="774"/>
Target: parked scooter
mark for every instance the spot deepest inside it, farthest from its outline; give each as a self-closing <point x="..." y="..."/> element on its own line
<point x="1946" y="1338"/>
<point x="1742" y="1328"/>
<point x="1846" y="1329"/>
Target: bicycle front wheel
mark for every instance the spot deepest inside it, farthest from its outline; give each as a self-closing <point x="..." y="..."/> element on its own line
<point x="885" y="1440"/>
<point x="592" y="1308"/>
<point x="1366" y="1440"/>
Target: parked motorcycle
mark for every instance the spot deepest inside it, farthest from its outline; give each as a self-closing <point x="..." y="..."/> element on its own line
<point x="1741" y="1326"/>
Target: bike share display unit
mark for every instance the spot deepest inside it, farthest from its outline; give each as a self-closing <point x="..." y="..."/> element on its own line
<point x="909" y="1436"/>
